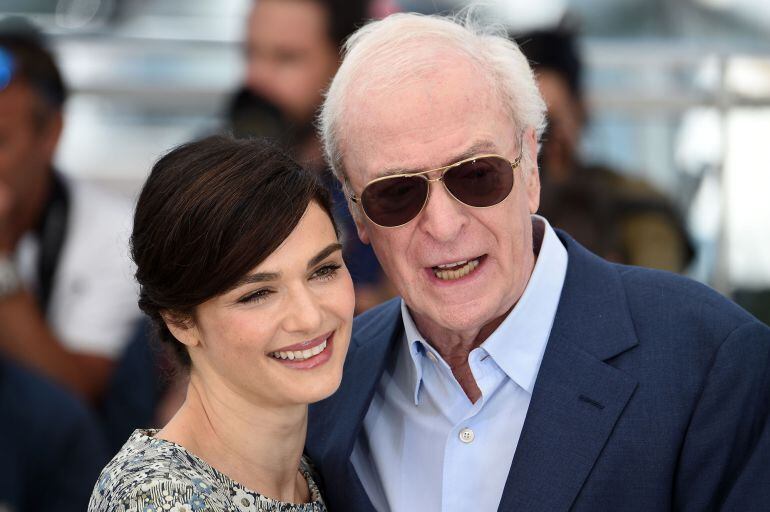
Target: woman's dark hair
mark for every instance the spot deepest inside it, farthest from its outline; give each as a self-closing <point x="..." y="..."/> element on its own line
<point x="210" y="212"/>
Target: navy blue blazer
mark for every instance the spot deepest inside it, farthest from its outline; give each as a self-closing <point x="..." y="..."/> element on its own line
<point x="653" y="395"/>
<point x="51" y="449"/>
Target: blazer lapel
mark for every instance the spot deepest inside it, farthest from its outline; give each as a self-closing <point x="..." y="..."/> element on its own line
<point x="335" y="423"/>
<point x="577" y="397"/>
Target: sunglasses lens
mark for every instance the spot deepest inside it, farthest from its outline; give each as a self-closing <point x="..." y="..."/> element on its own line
<point x="482" y="182"/>
<point x="396" y="201"/>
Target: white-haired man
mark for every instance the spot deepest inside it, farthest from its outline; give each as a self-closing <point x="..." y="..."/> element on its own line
<point x="517" y="371"/>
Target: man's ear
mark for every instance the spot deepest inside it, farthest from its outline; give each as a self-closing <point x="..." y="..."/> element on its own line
<point x="183" y="329"/>
<point x="531" y="175"/>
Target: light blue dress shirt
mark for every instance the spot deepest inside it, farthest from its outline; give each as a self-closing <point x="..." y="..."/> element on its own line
<point x="424" y="446"/>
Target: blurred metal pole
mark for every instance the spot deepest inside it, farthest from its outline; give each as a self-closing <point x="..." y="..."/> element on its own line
<point x="721" y="279"/>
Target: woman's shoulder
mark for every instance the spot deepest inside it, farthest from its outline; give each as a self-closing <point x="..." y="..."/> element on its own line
<point x="150" y="474"/>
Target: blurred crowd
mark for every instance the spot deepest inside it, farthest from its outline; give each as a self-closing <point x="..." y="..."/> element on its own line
<point x="78" y="369"/>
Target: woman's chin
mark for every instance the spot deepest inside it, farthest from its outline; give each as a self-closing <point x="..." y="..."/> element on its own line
<point x="323" y="390"/>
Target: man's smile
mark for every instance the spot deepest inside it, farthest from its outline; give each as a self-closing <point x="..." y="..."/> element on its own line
<point x="455" y="270"/>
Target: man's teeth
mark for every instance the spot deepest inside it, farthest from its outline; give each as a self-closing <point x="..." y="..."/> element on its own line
<point x="459" y="269"/>
<point x="299" y="355"/>
<point x="455" y="264"/>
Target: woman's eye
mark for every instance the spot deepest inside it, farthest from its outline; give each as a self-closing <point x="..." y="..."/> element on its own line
<point x="257" y="296"/>
<point x="327" y="271"/>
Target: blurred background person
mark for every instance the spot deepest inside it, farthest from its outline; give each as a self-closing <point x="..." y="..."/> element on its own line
<point x="145" y="390"/>
<point x="51" y="447"/>
<point x="621" y="218"/>
<point x="67" y="298"/>
<point x="50" y="444"/>
<point x="292" y="52"/>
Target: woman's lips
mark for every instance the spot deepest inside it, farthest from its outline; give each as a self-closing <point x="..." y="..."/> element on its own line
<point x="307" y="354"/>
<point x="305" y="344"/>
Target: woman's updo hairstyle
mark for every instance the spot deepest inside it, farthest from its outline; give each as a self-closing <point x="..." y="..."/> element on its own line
<point x="210" y="212"/>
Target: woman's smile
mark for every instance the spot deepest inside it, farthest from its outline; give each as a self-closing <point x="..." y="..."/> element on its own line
<point x="306" y="355"/>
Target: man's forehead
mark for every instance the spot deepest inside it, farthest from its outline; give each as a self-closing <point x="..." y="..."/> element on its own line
<point x="445" y="80"/>
<point x="418" y="130"/>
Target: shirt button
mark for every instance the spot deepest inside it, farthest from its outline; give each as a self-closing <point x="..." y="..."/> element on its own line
<point x="467" y="436"/>
<point x="432" y="356"/>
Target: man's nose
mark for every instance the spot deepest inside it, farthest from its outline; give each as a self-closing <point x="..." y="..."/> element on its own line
<point x="443" y="217"/>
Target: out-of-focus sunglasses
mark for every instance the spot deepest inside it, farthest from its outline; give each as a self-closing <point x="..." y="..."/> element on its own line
<point x="480" y="181"/>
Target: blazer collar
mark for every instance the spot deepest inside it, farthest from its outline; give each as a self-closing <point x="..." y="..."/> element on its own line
<point x="375" y="337"/>
<point x="578" y="397"/>
<point x="334" y="424"/>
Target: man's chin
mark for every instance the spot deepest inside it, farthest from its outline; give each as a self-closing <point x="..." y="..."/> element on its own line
<point x="465" y="319"/>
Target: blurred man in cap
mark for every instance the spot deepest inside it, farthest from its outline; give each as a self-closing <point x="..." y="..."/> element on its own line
<point x="67" y="297"/>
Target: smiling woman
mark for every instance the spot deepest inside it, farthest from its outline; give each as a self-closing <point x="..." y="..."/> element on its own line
<point x="241" y="271"/>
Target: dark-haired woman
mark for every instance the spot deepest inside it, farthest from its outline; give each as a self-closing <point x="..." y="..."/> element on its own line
<point x="240" y="268"/>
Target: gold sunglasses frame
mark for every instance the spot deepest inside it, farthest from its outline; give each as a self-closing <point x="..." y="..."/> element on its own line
<point x="442" y="170"/>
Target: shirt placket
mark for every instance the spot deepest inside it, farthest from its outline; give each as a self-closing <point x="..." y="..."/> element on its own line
<point x="464" y="443"/>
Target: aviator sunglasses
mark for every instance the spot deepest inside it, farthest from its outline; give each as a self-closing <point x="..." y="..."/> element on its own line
<point x="480" y="181"/>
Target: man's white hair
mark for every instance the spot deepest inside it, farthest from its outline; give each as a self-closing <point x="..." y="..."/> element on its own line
<point x="390" y="52"/>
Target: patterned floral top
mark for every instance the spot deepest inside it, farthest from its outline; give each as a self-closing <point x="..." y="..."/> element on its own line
<point x="155" y="475"/>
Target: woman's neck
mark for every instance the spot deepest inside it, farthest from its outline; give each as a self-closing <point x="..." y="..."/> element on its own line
<point x="257" y="446"/>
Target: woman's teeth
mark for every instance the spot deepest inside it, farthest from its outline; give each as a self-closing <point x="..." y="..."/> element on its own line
<point x="299" y="355"/>
<point x="452" y="271"/>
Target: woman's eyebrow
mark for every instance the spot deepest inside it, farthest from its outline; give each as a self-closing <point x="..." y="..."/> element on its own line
<point x="323" y="253"/>
<point x="261" y="277"/>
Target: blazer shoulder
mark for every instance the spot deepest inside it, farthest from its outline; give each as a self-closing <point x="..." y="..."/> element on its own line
<point x="373" y="323"/>
<point x="663" y="301"/>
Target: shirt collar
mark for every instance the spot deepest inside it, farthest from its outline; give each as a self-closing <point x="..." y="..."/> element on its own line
<point x="518" y="344"/>
<point x="411" y="358"/>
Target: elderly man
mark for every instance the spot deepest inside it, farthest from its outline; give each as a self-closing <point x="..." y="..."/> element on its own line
<point x="517" y="371"/>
